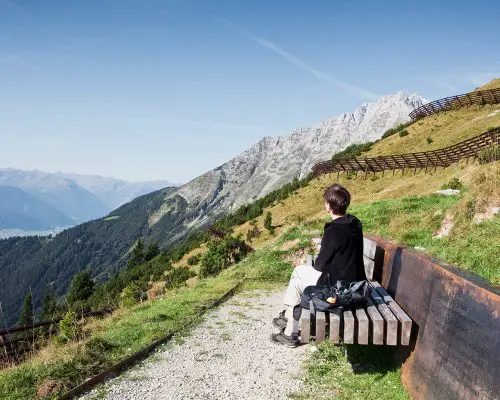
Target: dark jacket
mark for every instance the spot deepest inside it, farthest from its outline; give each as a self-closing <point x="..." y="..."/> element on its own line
<point x="341" y="254"/>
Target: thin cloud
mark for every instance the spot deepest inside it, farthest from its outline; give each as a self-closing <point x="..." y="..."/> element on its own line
<point x="345" y="86"/>
<point x="193" y="122"/>
<point x="218" y="124"/>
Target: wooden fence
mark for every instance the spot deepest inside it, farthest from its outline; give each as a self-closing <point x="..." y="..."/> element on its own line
<point x="444" y="157"/>
<point x="480" y="98"/>
<point x="14" y="343"/>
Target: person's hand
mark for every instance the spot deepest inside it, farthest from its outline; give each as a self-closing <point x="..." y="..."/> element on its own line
<point x="317" y="244"/>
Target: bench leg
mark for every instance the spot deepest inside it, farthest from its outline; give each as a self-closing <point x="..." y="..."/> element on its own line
<point x="305" y="326"/>
<point x="348" y="327"/>
<point x="334" y="328"/>
<point x="320" y="326"/>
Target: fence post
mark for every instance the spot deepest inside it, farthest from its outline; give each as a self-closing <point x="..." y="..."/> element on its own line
<point x="4" y="340"/>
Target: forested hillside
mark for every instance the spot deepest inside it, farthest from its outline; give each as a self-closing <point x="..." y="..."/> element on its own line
<point x="100" y="244"/>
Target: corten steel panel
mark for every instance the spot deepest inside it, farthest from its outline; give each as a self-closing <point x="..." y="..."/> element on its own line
<point x="457" y="349"/>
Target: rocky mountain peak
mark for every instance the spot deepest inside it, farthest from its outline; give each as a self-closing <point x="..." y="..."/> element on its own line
<point x="274" y="161"/>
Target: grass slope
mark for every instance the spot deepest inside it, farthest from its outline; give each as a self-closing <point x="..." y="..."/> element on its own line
<point x="444" y="129"/>
<point x="494" y="84"/>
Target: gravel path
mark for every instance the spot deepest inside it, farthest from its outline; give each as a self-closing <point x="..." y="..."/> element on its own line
<point x="228" y="356"/>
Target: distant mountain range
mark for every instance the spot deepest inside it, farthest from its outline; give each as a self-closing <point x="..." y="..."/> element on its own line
<point x="21" y="210"/>
<point x="168" y="215"/>
<point x="67" y="199"/>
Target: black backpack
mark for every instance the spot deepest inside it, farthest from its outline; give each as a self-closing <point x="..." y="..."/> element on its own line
<point x="342" y="295"/>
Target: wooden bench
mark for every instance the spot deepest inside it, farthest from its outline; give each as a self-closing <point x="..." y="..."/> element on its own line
<point x="381" y="322"/>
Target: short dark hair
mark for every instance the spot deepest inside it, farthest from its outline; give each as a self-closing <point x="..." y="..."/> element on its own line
<point x="338" y="198"/>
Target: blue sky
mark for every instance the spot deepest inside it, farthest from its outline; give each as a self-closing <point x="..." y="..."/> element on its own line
<point x="146" y="90"/>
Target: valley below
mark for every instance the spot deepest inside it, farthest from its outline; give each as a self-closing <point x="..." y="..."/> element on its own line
<point x="8" y="233"/>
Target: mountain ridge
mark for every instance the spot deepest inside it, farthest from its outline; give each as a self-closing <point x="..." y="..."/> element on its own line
<point x="260" y="169"/>
<point x="19" y="209"/>
<point x="79" y="197"/>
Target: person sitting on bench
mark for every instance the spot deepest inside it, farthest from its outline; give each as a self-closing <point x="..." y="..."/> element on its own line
<point x="340" y="258"/>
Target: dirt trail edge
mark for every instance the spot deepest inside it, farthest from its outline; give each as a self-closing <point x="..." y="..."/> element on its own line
<point x="227" y="356"/>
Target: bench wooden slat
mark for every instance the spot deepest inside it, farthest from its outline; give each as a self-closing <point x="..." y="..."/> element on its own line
<point x="305" y="326"/>
<point x="334" y="328"/>
<point x="391" y="323"/>
<point x="405" y="320"/>
<point x="362" y="326"/>
<point x="320" y="326"/>
<point x="377" y="323"/>
<point x="348" y="327"/>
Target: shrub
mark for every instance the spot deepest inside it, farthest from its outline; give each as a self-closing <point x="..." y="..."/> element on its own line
<point x="429" y="140"/>
<point x="222" y="254"/>
<point x="395" y="130"/>
<point x="352" y="151"/>
<point x="403" y="133"/>
<point x="454" y="184"/>
<point x="253" y="233"/>
<point x="194" y="260"/>
<point x="212" y="263"/>
<point x="470" y="208"/>
<point x="133" y="294"/>
<point x="178" y="277"/>
<point x="268" y="222"/>
<point x="489" y="154"/>
<point x="69" y="329"/>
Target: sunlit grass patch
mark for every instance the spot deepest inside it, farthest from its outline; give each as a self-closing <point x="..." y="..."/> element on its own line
<point x="365" y="373"/>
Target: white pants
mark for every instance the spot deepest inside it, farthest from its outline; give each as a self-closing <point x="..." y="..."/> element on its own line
<point x="302" y="276"/>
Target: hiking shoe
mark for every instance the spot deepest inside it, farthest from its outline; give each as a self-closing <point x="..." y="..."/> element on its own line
<point x="281" y="338"/>
<point x="280" y="321"/>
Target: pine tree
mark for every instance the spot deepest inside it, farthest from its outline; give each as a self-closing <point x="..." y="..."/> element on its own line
<point x="49" y="305"/>
<point x="82" y="287"/>
<point x="152" y="251"/>
<point x="138" y="254"/>
<point x="26" y="316"/>
<point x="268" y="222"/>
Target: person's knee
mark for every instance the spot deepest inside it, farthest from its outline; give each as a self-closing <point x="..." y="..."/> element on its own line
<point x="301" y="269"/>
